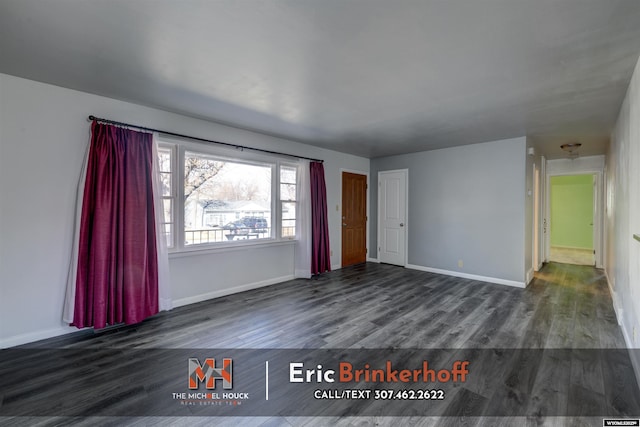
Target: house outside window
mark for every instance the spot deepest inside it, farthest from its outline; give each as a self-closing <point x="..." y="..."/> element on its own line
<point x="214" y="199"/>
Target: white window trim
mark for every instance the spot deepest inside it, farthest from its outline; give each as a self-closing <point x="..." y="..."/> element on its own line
<point x="239" y="246"/>
<point x="280" y="201"/>
<point x="178" y="149"/>
<point x="173" y="152"/>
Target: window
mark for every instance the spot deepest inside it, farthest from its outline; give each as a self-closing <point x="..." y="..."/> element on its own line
<point x="167" y="179"/>
<point x="288" y="175"/>
<point x="222" y="200"/>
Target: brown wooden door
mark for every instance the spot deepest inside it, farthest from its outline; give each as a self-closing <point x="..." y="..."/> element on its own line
<point x="354" y="218"/>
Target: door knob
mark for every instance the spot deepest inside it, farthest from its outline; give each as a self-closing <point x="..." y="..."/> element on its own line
<point x="402" y="224"/>
<point x="344" y="224"/>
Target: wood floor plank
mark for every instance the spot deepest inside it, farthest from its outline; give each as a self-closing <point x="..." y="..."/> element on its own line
<point x="379" y="306"/>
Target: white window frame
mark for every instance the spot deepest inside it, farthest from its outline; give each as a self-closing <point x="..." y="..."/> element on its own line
<point x="179" y="147"/>
<point x="296" y="167"/>
<point x="173" y="196"/>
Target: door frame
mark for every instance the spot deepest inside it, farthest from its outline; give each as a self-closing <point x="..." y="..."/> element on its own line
<point x="405" y="172"/>
<point x="368" y="192"/>
<point x="535" y="250"/>
<point x="542" y="216"/>
<point x="597" y="211"/>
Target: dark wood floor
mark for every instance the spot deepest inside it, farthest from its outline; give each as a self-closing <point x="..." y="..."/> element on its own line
<point x="381" y="306"/>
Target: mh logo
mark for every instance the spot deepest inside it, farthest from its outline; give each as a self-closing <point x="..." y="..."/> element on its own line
<point x="208" y="373"/>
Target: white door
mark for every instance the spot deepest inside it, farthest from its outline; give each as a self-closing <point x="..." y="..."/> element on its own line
<point x="392" y="217"/>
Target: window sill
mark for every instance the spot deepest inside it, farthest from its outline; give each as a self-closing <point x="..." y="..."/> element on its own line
<point x="214" y="249"/>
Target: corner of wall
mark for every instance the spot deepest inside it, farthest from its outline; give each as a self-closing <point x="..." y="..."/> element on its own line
<point x="614" y="298"/>
<point x="529" y="277"/>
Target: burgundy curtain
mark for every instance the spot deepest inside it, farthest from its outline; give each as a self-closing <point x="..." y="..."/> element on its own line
<point x="320" y="251"/>
<point x="117" y="278"/>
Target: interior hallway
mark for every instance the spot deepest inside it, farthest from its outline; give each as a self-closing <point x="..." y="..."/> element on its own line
<point x="572" y="256"/>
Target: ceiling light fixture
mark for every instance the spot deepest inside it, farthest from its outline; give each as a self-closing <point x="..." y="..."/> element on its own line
<point x="572" y="149"/>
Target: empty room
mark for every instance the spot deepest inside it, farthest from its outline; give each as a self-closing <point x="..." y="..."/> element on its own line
<point x="320" y="212"/>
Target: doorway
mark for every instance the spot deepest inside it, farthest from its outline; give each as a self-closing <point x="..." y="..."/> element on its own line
<point x="354" y="219"/>
<point x="572" y="202"/>
<point x="392" y="217"/>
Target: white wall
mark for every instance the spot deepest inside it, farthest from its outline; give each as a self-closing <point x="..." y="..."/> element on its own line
<point x="43" y="136"/>
<point x="465" y="203"/>
<point x="622" y="217"/>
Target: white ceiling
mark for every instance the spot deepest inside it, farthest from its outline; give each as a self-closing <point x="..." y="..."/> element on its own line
<point x="366" y="77"/>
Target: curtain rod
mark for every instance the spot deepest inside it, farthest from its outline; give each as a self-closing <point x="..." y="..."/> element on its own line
<point x="195" y="138"/>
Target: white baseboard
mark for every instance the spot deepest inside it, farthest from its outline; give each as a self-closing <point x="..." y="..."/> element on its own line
<point x="529" y="276"/>
<point x="51" y="333"/>
<point x="627" y="336"/>
<point x="373" y="260"/>
<point x="468" y="276"/>
<point x="228" y="291"/>
<point x="634" y="355"/>
<point x="614" y="298"/>
<point x="302" y="274"/>
<point x="36" y="336"/>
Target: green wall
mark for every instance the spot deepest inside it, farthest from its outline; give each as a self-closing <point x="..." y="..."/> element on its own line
<point x="572" y="211"/>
